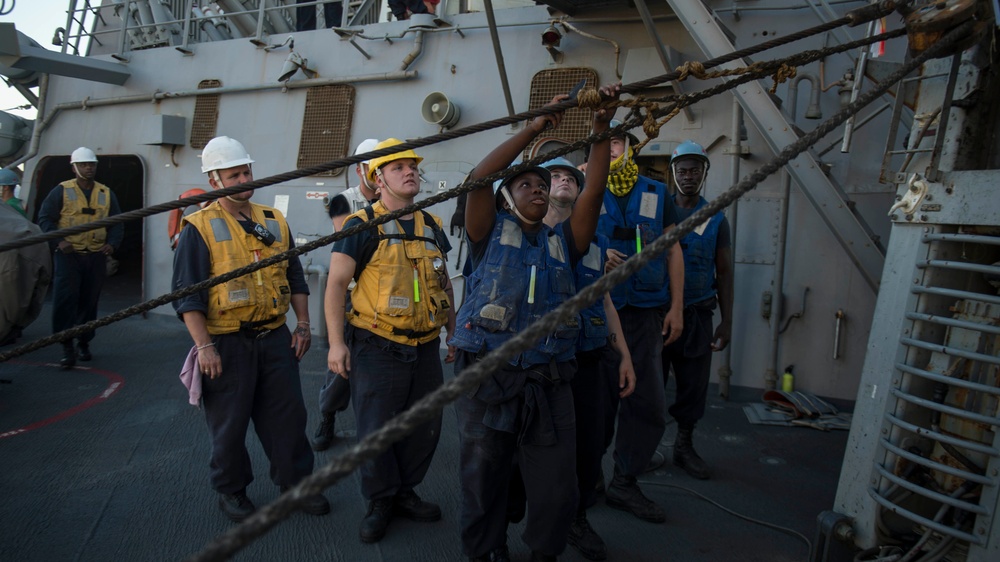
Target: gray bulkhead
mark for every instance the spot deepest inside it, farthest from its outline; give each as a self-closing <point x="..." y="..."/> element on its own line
<point x="462" y="66"/>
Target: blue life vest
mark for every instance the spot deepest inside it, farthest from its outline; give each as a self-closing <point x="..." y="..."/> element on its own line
<point x="699" y="258"/>
<point x="496" y="306"/>
<point x="593" y="319"/>
<point x="648" y="287"/>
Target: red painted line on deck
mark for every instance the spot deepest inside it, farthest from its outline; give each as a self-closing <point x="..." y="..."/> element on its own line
<point x="115" y="382"/>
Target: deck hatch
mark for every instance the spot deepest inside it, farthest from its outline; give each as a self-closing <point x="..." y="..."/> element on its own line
<point x="206" y="114"/>
<point x="576" y="122"/>
<point x="326" y="126"/>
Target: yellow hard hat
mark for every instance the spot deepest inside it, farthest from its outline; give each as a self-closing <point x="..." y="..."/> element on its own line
<point x="375" y="163"/>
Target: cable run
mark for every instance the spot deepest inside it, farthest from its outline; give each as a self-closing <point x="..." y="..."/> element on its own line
<point x="853" y="18"/>
<point x="237" y="537"/>
<point x="762" y="69"/>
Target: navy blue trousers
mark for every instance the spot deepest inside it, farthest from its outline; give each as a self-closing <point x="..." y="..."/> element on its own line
<point x="642" y="417"/>
<point x="595" y="397"/>
<point x="386" y="379"/>
<point x="76" y="288"/>
<point x="259" y="383"/>
<point x="305" y="16"/>
<point x="487" y="464"/>
<point x="690" y="356"/>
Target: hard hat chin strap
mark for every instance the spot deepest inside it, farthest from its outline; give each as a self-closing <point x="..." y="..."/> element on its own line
<point x="513" y="208"/>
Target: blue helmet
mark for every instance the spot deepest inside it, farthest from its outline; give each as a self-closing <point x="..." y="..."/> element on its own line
<point x="690" y="149"/>
<point x="8" y="177"/>
<point x="502" y="182"/>
<point x="560" y="162"/>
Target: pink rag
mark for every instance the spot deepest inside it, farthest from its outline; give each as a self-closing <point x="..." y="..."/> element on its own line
<point x="191" y="376"/>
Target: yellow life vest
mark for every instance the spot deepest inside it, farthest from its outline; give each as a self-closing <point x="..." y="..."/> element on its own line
<point x="260" y="298"/>
<point x="400" y="294"/>
<point x="76" y="210"/>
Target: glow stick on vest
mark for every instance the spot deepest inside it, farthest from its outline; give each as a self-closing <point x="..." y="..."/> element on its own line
<point x="638" y="240"/>
<point x="416" y="286"/>
<point x="531" y="285"/>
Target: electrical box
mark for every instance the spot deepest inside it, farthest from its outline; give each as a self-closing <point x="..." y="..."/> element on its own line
<point x="164" y="130"/>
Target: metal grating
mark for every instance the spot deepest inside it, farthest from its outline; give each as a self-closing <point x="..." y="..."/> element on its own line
<point x="326" y="126"/>
<point x="940" y="449"/>
<point x="545" y="85"/>
<point x="206" y="115"/>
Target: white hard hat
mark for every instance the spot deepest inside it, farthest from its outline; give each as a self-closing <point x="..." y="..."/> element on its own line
<point x="82" y="154"/>
<point x="366" y="145"/>
<point x="222" y="153"/>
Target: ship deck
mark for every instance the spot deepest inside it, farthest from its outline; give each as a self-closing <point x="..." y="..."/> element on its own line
<point x="110" y="462"/>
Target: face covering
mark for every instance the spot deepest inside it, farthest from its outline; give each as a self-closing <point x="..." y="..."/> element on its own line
<point x="623" y="174"/>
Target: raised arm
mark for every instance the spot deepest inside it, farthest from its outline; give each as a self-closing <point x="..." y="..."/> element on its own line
<point x="480" y="207"/>
<point x="583" y="222"/>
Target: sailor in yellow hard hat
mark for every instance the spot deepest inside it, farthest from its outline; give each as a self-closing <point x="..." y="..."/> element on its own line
<point x="390" y="349"/>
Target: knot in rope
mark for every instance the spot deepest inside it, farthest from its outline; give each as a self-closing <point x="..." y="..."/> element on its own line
<point x="589" y="98"/>
<point x="692" y="68"/>
<point x="783" y="73"/>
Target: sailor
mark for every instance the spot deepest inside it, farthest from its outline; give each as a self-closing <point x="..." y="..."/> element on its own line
<point x="390" y="349"/>
<point x="708" y="280"/>
<point x="248" y="358"/>
<point x="522" y="269"/>
<point x="636" y="211"/>
<point x="8" y="184"/>
<point x="604" y="372"/>
<point x="335" y="395"/>
<point x="305" y="16"/>
<point x="80" y="260"/>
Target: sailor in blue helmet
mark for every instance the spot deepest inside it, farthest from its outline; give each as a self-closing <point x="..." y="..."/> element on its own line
<point x="604" y="372"/>
<point x="636" y="211"/>
<point x="521" y="270"/>
<point x="708" y="280"/>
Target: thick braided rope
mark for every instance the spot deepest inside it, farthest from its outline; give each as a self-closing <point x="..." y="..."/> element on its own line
<point x="762" y="70"/>
<point x="371" y="446"/>
<point x="855" y="17"/>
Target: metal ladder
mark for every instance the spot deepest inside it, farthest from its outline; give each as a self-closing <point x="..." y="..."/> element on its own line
<point x="942" y="115"/>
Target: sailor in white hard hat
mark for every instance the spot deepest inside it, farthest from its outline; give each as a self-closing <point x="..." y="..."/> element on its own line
<point x="80" y="259"/>
<point x="335" y="395"/>
<point x="249" y="360"/>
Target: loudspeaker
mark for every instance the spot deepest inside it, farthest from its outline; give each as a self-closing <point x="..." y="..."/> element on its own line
<point x="439" y="110"/>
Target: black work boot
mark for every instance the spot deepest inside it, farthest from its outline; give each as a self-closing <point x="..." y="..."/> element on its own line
<point x="236" y="506"/>
<point x="623" y="493"/>
<point x="68" y="358"/>
<point x="377" y="519"/>
<point x="324" y="433"/>
<point x="583" y="538"/>
<point x="84" y="354"/>
<point x="686" y="457"/>
<point x="409" y="505"/>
